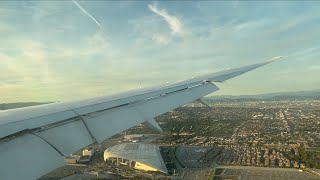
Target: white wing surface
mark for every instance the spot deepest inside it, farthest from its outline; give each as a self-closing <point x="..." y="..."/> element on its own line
<point x="34" y="140"/>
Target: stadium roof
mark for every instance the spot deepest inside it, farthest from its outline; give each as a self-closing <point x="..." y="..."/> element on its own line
<point x="147" y="154"/>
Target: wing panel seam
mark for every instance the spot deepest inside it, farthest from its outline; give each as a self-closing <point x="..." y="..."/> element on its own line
<point x="55" y="148"/>
<point x="86" y="126"/>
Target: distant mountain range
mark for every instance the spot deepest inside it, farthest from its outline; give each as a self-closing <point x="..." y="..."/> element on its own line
<point x="5" y="106"/>
<point x="298" y="95"/>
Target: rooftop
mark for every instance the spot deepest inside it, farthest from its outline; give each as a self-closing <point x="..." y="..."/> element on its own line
<point x="147" y="154"/>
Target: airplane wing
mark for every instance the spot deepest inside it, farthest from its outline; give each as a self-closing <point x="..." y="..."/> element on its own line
<point x="35" y="140"/>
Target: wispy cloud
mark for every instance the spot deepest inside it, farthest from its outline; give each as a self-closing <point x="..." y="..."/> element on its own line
<point x="249" y="25"/>
<point x="235" y="4"/>
<point x="87" y="13"/>
<point x="162" y="39"/>
<point x="305" y="52"/>
<point x="174" y="23"/>
<point x="296" y="21"/>
<point x="6" y="12"/>
<point x="314" y="67"/>
<point x="4" y="27"/>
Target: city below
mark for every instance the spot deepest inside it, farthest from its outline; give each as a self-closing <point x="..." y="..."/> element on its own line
<point x="232" y="139"/>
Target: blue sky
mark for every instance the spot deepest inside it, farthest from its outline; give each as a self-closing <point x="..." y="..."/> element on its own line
<point x="66" y="50"/>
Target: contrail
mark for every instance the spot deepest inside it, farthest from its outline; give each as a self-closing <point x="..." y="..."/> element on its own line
<point x="87" y="13"/>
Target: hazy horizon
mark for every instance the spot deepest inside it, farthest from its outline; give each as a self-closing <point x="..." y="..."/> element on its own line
<point x="211" y="95"/>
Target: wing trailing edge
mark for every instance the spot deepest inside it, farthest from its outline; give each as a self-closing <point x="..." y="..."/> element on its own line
<point x="153" y="125"/>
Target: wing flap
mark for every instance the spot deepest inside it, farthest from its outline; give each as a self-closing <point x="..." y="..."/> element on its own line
<point x="27" y="157"/>
<point x="31" y="123"/>
<point x="153" y="125"/>
<point x="158" y="106"/>
<point x="122" y="118"/>
<point x="69" y="137"/>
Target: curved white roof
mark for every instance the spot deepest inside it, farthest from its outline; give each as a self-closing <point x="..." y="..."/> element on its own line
<point x="147" y="154"/>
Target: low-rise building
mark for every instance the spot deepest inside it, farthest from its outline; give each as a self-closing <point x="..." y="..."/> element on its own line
<point x="88" y="151"/>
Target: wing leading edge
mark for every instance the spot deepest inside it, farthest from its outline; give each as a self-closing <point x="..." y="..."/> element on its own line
<point x="45" y="134"/>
